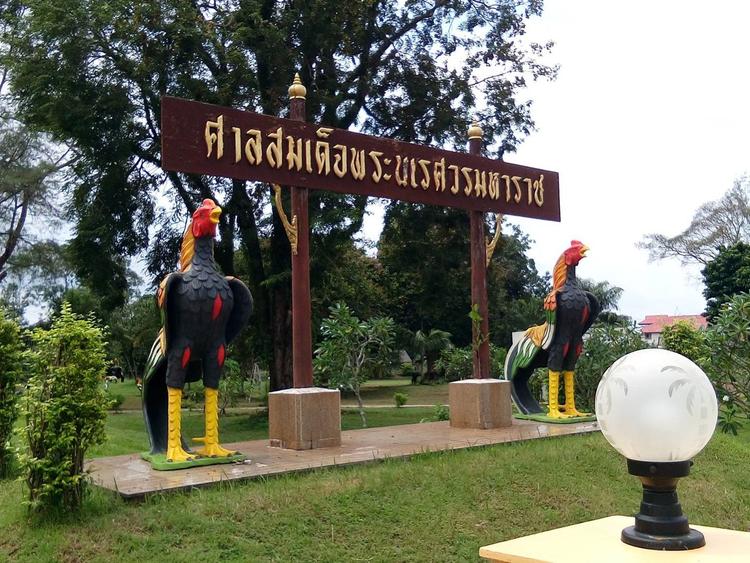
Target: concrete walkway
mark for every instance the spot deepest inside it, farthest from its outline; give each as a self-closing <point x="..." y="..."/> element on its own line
<point x="131" y="477"/>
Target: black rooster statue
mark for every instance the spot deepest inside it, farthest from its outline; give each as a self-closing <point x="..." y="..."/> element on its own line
<point x="557" y="343"/>
<point x="202" y="312"/>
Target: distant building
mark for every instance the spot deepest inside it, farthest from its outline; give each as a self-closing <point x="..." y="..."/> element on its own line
<point x="653" y="325"/>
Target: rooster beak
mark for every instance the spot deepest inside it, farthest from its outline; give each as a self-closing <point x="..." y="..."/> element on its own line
<point x="584" y="250"/>
<point x="215" y="214"/>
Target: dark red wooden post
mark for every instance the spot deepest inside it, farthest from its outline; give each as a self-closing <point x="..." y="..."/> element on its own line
<point x="481" y="366"/>
<point x="302" y="371"/>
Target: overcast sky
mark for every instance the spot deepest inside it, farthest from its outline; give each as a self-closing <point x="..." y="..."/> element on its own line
<point x="648" y="119"/>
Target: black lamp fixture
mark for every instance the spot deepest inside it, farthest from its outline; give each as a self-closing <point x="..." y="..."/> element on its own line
<point x="658" y="409"/>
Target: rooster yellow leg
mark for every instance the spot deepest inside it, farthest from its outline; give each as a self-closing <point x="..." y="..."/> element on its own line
<point x="211" y="447"/>
<point x="174" y="416"/>
<point x="554" y="388"/>
<point x="569" y="407"/>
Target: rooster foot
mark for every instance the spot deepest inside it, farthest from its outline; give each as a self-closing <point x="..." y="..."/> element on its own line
<point x="575" y="413"/>
<point x="557" y="414"/>
<point x="213" y="449"/>
<point x="176" y="455"/>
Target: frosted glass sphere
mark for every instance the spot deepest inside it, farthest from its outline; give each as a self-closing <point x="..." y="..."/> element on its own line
<point x="656" y="405"/>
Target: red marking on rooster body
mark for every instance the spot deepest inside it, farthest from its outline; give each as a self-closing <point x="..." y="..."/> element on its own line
<point x="217" y="307"/>
<point x="185" y="356"/>
<point x="221" y="355"/>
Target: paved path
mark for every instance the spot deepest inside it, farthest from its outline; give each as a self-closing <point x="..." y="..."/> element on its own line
<point x="132" y="477"/>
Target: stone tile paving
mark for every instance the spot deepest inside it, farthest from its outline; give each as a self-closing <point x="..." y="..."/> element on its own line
<point x="131" y="477"/>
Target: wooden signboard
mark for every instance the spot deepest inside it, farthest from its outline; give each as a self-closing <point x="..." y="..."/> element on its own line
<point x="200" y="138"/>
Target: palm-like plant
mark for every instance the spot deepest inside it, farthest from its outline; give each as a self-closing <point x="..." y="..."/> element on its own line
<point x="429" y="345"/>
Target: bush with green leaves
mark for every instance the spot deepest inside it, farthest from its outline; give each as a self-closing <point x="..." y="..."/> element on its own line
<point x="727" y="362"/>
<point x="441" y="412"/>
<point x="352" y="350"/>
<point x="231" y="386"/>
<point x="400" y="399"/>
<point x="10" y="369"/>
<point x="65" y="410"/>
<point x="686" y="340"/>
<point x="457" y="363"/>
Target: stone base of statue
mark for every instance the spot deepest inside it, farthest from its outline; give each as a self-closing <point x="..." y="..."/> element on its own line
<point x="305" y="418"/>
<point x="480" y="403"/>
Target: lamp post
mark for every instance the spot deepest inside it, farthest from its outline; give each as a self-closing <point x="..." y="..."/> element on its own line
<point x="658" y="409"/>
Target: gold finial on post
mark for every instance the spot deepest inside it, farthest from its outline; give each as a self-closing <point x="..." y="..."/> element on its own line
<point x="297" y="90"/>
<point x="475" y="131"/>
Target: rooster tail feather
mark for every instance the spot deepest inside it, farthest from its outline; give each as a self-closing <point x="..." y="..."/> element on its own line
<point x="155" y="398"/>
<point x="522" y="359"/>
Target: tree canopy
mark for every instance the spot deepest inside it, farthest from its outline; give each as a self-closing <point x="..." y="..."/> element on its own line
<point x="91" y="73"/>
<point x="716" y="224"/>
<point x="727" y="275"/>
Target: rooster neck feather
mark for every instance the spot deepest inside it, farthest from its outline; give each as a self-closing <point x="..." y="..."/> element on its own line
<point x="560" y="273"/>
<point x="187" y="251"/>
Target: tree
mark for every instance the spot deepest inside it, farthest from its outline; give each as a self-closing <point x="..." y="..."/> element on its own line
<point x="608" y="296"/>
<point x="10" y="370"/>
<point x="716" y="224"/>
<point x="91" y="73"/>
<point x="429" y="346"/>
<point x="425" y="255"/>
<point x="727" y="362"/>
<point x="132" y="330"/>
<point x="27" y="185"/>
<point x="38" y="275"/>
<point x="725" y="276"/>
<point x="351" y="349"/>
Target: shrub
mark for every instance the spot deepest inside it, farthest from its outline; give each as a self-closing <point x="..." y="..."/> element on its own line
<point x="727" y="361"/>
<point x="65" y="410"/>
<point x="400" y="399"/>
<point x="457" y="363"/>
<point x="605" y="344"/>
<point x="116" y="402"/>
<point x="441" y="412"/>
<point x="685" y="339"/>
<point x="10" y="369"/>
<point x="351" y="349"/>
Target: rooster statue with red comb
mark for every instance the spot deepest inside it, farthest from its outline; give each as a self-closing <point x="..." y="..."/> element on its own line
<point x="557" y="343"/>
<point x="202" y="312"/>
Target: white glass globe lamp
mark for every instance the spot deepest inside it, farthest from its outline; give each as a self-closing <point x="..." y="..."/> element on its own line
<point x="658" y="409"/>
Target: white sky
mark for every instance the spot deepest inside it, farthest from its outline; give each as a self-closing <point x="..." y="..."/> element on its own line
<point x="648" y="119"/>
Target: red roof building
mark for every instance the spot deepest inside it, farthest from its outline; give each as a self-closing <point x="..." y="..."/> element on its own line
<point x="653" y="325"/>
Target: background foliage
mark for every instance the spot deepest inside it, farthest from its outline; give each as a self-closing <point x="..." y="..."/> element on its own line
<point x="10" y="372"/>
<point x="64" y="408"/>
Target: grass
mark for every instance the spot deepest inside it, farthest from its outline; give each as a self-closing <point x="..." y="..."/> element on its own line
<point x="440" y="506"/>
<point x="377" y="392"/>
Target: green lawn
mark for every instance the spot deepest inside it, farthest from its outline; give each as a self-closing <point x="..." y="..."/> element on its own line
<point x="434" y="507"/>
<point x="376" y="392"/>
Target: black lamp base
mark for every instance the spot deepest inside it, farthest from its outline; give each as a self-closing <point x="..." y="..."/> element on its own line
<point x="692" y="540"/>
<point x="660" y="524"/>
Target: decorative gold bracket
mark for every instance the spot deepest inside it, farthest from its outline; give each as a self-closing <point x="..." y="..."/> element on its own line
<point x="492" y="244"/>
<point x="290" y="228"/>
